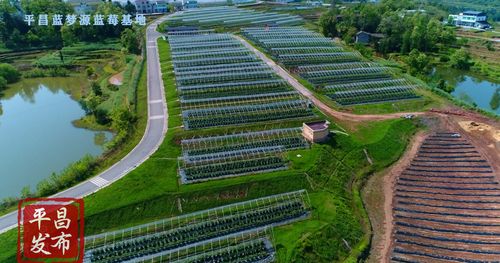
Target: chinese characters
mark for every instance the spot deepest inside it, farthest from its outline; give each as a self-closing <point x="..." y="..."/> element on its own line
<point x="85" y="20"/>
<point x="51" y="231"/>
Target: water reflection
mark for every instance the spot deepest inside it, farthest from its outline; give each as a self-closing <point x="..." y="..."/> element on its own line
<point x="36" y="132"/>
<point x="471" y="88"/>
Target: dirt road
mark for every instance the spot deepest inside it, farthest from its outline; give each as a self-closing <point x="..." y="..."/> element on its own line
<point x="382" y="186"/>
<point x="343" y="116"/>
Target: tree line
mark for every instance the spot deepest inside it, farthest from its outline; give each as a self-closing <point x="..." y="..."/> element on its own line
<point x="17" y="35"/>
<point x="403" y="31"/>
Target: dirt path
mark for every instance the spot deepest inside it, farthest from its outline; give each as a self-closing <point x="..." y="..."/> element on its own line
<point x="116" y="79"/>
<point x="381" y="215"/>
<point x="344" y="116"/>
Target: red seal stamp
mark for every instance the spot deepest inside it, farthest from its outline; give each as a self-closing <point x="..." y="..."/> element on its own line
<point x="50" y="230"/>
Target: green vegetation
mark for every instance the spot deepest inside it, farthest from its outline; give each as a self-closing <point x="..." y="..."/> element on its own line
<point x="331" y="172"/>
<point x="108" y="107"/>
<point x="17" y="35"/>
<point x="491" y="7"/>
<point x="8" y="74"/>
<point x="402" y="31"/>
<point x="460" y="59"/>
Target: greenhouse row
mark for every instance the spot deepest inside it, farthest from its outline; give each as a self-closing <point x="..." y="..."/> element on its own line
<point x="243" y="227"/>
<point x="230" y="17"/>
<point x="331" y="69"/>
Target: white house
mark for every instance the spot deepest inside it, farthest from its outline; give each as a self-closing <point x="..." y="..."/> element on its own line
<point x="470" y="19"/>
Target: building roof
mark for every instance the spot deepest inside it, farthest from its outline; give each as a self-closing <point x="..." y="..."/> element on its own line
<point x="317" y="125"/>
<point x="375" y="35"/>
<point x="474" y="13"/>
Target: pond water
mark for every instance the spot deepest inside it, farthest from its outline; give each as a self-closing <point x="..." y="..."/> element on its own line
<point x="37" y="136"/>
<point x="472" y="88"/>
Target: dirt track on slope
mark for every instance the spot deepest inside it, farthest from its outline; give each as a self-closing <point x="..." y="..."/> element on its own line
<point x="381" y="215"/>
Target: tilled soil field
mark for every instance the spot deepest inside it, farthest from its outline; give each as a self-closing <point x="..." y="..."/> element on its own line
<point x="446" y="205"/>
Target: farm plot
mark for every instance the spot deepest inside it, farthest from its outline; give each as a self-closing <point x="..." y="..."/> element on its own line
<point x="237" y="154"/>
<point x="211" y="233"/>
<point x="254" y="246"/>
<point x="343" y="76"/>
<point x="221" y="83"/>
<point x="447" y="205"/>
<point x="230" y="17"/>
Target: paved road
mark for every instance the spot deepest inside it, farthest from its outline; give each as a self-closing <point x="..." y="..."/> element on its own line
<point x="318" y="103"/>
<point x="153" y="137"/>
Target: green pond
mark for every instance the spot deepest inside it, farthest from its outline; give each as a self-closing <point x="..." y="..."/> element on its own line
<point x="37" y="136"/>
<point x="472" y="88"/>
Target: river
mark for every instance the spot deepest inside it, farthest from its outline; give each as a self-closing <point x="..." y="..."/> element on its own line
<point x="37" y="136"/>
<point x="472" y="88"/>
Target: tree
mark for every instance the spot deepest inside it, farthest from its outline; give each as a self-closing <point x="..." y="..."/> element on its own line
<point x="369" y="18"/>
<point x="392" y="26"/>
<point x="460" y="59"/>
<point x="90" y="71"/>
<point x="96" y="88"/>
<point x="3" y="83"/>
<point x="328" y="23"/>
<point x="68" y="35"/>
<point x="433" y="34"/>
<point x="418" y="38"/>
<point x="418" y="63"/>
<point x="122" y="120"/>
<point x="26" y="192"/>
<point x="443" y="86"/>
<point x="130" y="40"/>
<point x="495" y="100"/>
<point x="130" y="8"/>
<point x="350" y="35"/>
<point x="9" y="73"/>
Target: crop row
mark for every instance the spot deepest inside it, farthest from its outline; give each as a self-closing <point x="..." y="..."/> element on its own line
<point x="228" y="87"/>
<point x="331" y="69"/>
<point x="446" y="212"/>
<point x="223" y="224"/>
<point x="290" y="138"/>
<point x="255" y="250"/>
<point x="230" y="16"/>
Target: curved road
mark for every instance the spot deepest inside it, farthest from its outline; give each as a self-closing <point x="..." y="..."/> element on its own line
<point x="151" y="140"/>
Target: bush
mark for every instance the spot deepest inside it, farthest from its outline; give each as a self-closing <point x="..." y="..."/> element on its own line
<point x="3" y="83"/>
<point x="444" y="58"/>
<point x="51" y="72"/>
<point x="9" y="73"/>
<point x="74" y="173"/>
<point x="90" y="71"/>
<point x="460" y="60"/>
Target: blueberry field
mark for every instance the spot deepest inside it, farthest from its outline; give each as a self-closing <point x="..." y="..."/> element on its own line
<point x="342" y="75"/>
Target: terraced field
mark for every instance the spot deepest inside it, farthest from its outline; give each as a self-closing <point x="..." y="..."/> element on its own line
<point x="234" y="233"/>
<point x="230" y="17"/>
<point x="343" y="76"/>
<point x="447" y="205"/>
<point x="222" y="83"/>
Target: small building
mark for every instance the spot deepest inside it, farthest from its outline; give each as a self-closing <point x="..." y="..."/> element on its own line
<point x="317" y="131"/>
<point x="242" y="2"/>
<point x="84" y="7"/>
<point x="191" y="4"/>
<point x="284" y="1"/>
<point x="470" y="19"/>
<point x="151" y="7"/>
<point x="363" y="37"/>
